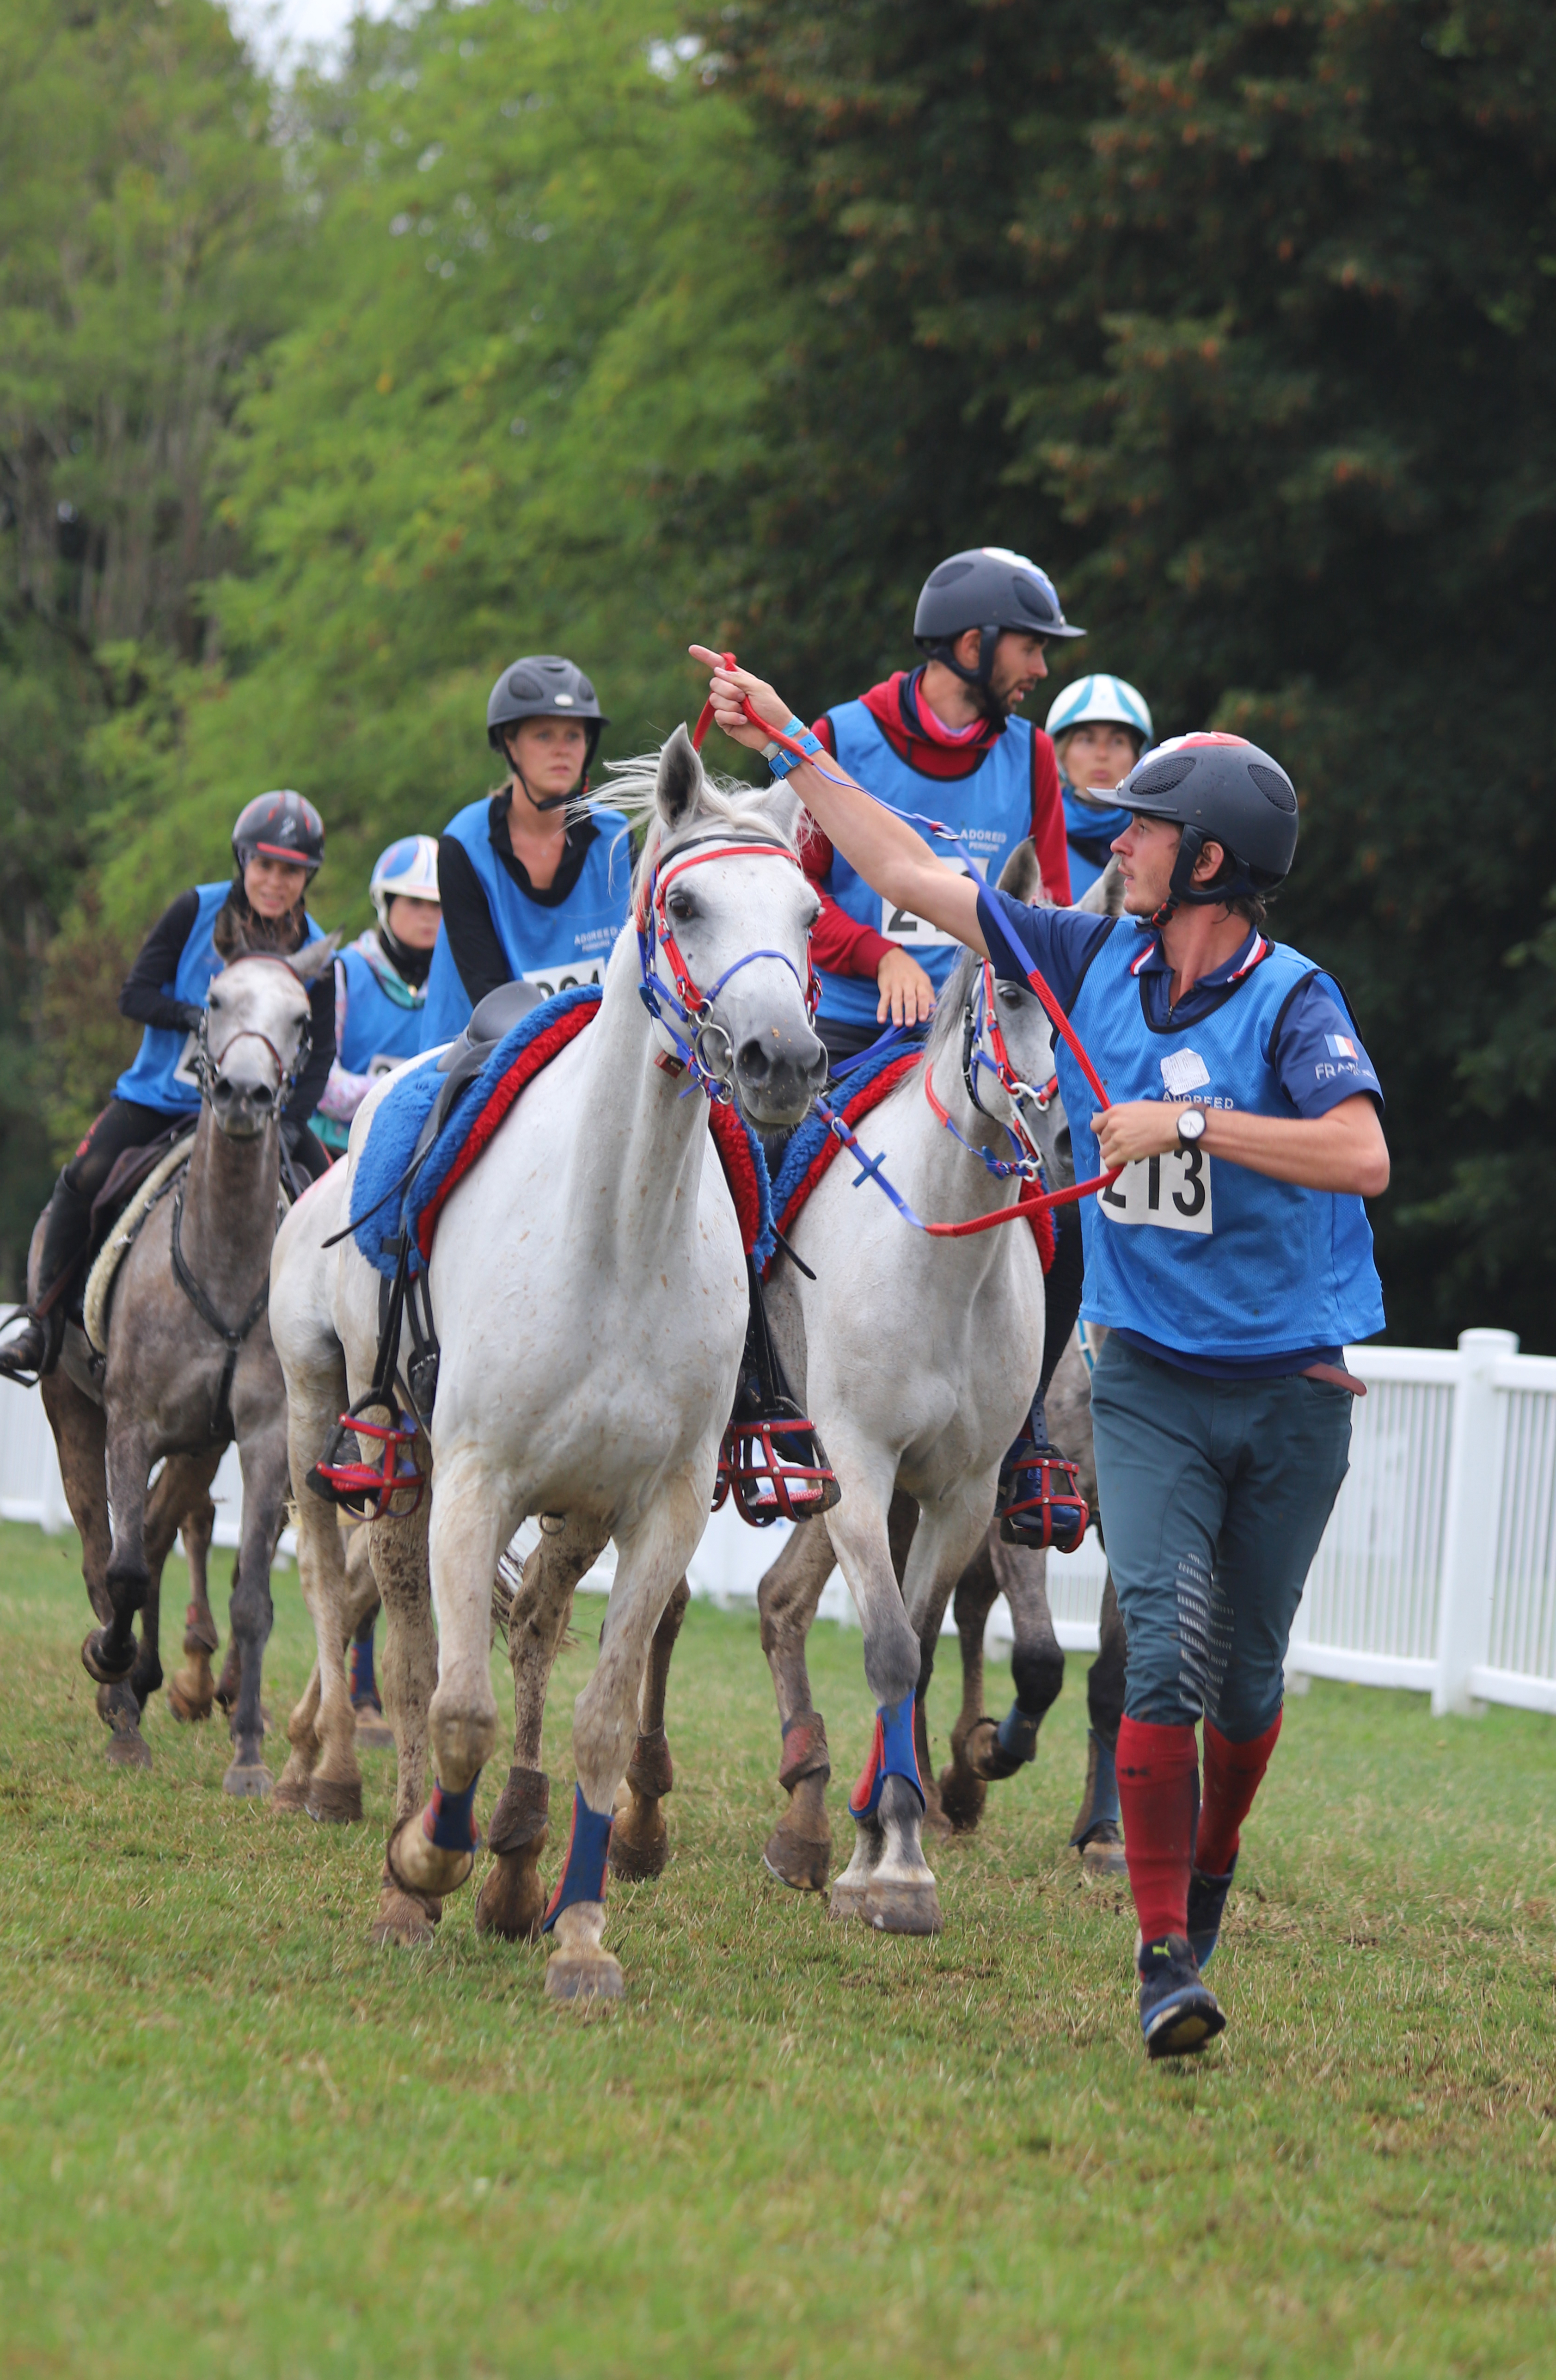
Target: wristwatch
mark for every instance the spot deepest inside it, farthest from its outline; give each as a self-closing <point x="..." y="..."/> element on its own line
<point x="1190" y="1127"/>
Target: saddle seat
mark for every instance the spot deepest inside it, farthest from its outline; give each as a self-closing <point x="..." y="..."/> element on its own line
<point x="141" y="1176"/>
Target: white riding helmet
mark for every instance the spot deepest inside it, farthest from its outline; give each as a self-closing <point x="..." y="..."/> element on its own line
<point x="409" y="868"/>
<point x="1101" y="700"/>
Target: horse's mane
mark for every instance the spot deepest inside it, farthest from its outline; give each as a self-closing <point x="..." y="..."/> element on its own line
<point x="723" y="801"/>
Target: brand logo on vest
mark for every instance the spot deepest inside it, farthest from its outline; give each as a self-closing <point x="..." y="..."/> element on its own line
<point x="1184" y="1070"/>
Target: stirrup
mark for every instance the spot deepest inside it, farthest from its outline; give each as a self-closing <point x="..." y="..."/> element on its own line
<point x="1040" y="1503"/>
<point x="31" y="1369"/>
<point x="776" y="1468"/>
<point x="365" y="1490"/>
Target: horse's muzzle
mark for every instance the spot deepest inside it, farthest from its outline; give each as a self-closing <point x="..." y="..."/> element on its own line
<point x="778" y="1072"/>
<point x="242" y="1109"/>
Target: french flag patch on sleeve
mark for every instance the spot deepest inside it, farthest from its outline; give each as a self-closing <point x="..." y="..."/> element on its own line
<point x="1339" y="1045"/>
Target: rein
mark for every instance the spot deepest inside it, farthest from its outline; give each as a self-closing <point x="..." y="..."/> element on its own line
<point x="689" y="1007"/>
<point x="231" y="1338"/>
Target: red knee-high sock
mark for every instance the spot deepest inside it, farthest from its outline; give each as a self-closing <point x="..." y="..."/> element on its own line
<point x="1158" y="1791"/>
<point x="1233" y="1772"/>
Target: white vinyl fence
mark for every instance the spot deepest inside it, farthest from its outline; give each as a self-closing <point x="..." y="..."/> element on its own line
<point x="1437" y="1572"/>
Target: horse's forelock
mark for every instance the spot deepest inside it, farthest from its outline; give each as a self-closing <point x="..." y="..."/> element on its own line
<point x="769" y="811"/>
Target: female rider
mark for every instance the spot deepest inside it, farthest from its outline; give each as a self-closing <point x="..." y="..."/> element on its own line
<point x="277" y="845"/>
<point x="534" y="884"/>
<point x="380" y="983"/>
<point x="1100" y="726"/>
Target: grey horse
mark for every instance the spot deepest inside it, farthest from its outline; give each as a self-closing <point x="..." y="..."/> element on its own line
<point x="188" y="1367"/>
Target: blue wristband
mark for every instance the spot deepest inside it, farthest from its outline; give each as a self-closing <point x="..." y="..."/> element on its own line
<point x="779" y="761"/>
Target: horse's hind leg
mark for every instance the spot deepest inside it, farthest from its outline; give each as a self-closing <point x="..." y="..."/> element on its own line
<point x="80" y="1435"/>
<point x="397" y="1557"/>
<point x="1097" y="1834"/>
<point x="981" y="1750"/>
<point x="799" y="1849"/>
<point x="363" y="1605"/>
<point x="261" y="1430"/>
<point x="191" y="1690"/>
<point x="962" y="1789"/>
<point x="640" y="1838"/>
<point x="512" y="1900"/>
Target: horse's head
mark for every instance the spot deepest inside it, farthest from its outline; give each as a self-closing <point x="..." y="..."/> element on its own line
<point x="255" y="1035"/>
<point x="729" y="911"/>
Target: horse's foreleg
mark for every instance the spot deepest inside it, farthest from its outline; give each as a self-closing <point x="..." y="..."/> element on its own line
<point x="397" y="1559"/>
<point x="640" y="1838"/>
<point x="887" y="1882"/>
<point x="962" y="1787"/>
<point x="512" y="1900"/>
<point x="316" y="1395"/>
<point x="799" y="1849"/>
<point x="109" y="1652"/>
<point x="191" y="1689"/>
<point x="434" y="1854"/>
<point x="652" y="1558"/>
<point x="1097" y="1834"/>
<point x="81" y="1432"/>
<point x="362" y="1606"/>
<point x="263" y="1451"/>
<point x="184" y="1480"/>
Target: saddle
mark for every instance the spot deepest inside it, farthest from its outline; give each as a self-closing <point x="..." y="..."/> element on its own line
<point x="491" y="1020"/>
<point x="139" y="1178"/>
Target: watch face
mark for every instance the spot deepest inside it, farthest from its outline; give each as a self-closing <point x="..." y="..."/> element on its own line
<point x="1192" y="1124"/>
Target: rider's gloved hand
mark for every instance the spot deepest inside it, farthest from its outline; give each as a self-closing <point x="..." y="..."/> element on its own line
<point x="190" y="1015"/>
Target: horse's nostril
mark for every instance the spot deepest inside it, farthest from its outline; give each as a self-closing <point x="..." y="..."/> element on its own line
<point x="754" y="1061"/>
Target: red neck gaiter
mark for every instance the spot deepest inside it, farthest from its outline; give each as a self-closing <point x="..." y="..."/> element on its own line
<point x="917" y="736"/>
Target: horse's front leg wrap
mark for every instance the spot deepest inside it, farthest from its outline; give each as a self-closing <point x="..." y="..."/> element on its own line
<point x="588" y="1846"/>
<point x="449" y="1819"/>
<point x="892" y="1754"/>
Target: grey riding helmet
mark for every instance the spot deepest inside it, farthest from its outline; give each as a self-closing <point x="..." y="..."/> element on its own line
<point x="545" y="686"/>
<point x="988" y="588"/>
<point x="1219" y="789"/>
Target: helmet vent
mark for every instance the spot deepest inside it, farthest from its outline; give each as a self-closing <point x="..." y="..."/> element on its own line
<point x="949" y="571"/>
<point x="1160" y="779"/>
<point x="525" y="687"/>
<point x="1274" y="787"/>
<point x="1034" y="598"/>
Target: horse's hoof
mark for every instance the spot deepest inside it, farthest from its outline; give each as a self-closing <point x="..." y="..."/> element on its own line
<point x="289" y="1799"/>
<point x="373" y="1731"/>
<point x="847" y="1901"/>
<point x="186" y="1707"/>
<point x="571" y="1976"/>
<point x="988" y="1757"/>
<point x="249" y="1780"/>
<point x="334" y="1801"/>
<point x="901" y="1908"/>
<point x="128" y="1748"/>
<point x="406" y="1921"/>
<point x="802" y="1862"/>
<point x="962" y="1796"/>
<point x="511" y="1899"/>
<point x="419" y="1867"/>
<point x="639" y="1836"/>
<point x="99" y="1667"/>
<point x="1103" y="1860"/>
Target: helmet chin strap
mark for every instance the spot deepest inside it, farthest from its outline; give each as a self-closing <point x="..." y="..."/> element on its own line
<point x="1181" y="887"/>
<point x="979" y="678"/>
<point x="552" y="801"/>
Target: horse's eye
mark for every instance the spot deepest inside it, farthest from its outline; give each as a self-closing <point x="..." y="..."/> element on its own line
<point x="1010" y="995"/>
<point x="681" y="907"/>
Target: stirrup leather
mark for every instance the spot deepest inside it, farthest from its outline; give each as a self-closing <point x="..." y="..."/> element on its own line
<point x="771" y="1461"/>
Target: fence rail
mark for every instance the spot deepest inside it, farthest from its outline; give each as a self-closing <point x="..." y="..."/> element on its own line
<point x="1437" y="1572"/>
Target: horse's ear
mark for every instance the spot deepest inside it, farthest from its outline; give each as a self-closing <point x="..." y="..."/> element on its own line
<point x="1021" y="876"/>
<point x="313" y="958"/>
<point x="1105" y="897"/>
<point x="678" y="785"/>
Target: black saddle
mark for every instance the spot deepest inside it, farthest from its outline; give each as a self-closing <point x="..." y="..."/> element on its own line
<point x="494" y="1018"/>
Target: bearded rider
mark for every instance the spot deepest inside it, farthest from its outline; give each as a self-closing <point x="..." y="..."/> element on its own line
<point x="1100" y="726"/>
<point x="380" y="983"/>
<point x="535" y="880"/>
<point x="1230" y="1263"/>
<point x="278" y="843"/>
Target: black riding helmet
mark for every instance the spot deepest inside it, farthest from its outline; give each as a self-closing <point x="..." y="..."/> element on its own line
<point x="987" y="588"/>
<point x="279" y="826"/>
<point x="1219" y="789"/>
<point x="545" y="686"/>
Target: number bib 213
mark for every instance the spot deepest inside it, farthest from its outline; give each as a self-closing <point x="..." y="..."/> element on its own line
<point x="1172" y="1192"/>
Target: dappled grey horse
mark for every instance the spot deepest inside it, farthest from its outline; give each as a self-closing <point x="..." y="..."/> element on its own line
<point x="190" y="1366"/>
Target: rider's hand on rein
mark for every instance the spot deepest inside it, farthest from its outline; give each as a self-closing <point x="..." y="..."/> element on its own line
<point x="1136" y="1128"/>
<point x="730" y="690"/>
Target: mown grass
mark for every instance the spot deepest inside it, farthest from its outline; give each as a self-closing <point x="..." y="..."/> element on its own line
<point x="235" y="2139"/>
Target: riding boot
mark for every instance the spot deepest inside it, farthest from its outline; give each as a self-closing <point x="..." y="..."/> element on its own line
<point x="34" y="1349"/>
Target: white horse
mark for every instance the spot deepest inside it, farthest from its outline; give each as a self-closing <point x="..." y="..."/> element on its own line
<point x="590" y="1294"/>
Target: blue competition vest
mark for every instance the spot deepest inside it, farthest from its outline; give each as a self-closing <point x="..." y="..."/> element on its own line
<point x="990" y="810"/>
<point x="553" y="947"/>
<point x="382" y="1024"/>
<point x="1195" y="1252"/>
<point x="160" y="1077"/>
<point x="1092" y="827"/>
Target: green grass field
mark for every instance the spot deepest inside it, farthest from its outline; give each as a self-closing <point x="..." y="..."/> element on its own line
<point x="235" y="2139"/>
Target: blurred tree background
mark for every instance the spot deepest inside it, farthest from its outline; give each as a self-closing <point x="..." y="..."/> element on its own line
<point x="593" y="326"/>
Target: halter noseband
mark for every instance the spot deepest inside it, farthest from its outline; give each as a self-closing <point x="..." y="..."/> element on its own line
<point x="689" y="1007"/>
<point x="980" y="1020"/>
<point x="207" y="1067"/>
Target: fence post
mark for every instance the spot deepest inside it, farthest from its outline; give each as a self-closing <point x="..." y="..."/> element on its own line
<point x="1463" y="1604"/>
